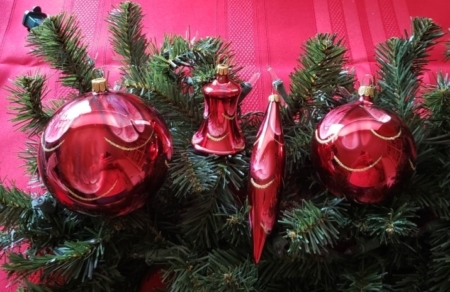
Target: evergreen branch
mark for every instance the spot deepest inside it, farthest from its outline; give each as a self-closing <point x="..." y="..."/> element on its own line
<point x="235" y="230"/>
<point x="367" y="278"/>
<point x="309" y="271"/>
<point x="199" y="222"/>
<point x="73" y="260"/>
<point x="27" y="93"/>
<point x="14" y="203"/>
<point x="439" y="266"/>
<point x="401" y="63"/>
<point x="229" y="270"/>
<point x="192" y="173"/>
<point x="310" y="228"/>
<point x="29" y="156"/>
<point x="128" y="41"/>
<point x="437" y="102"/>
<point x="58" y="41"/>
<point x="390" y="224"/>
<point x="319" y="74"/>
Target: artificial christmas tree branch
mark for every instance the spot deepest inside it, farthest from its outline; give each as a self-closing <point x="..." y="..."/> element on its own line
<point x="320" y="72"/>
<point x="27" y="93"/>
<point x="58" y="41"/>
<point x="125" y="25"/>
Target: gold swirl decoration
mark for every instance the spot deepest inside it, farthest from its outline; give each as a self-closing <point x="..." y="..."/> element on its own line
<point x="228" y="117"/>
<point x="129" y="148"/>
<point x="218" y="139"/>
<point x="356" y="169"/>
<point x="387" y="138"/>
<point x="49" y="149"/>
<point x="90" y="199"/>
<point x="258" y="186"/>
<point x="324" y="141"/>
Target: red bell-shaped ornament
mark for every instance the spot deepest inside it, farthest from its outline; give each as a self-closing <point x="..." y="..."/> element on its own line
<point x="219" y="132"/>
<point x="104" y="152"/>
<point x="266" y="175"/>
<point x="363" y="152"/>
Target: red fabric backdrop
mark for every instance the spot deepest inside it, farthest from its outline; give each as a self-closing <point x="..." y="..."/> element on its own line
<point x="263" y="33"/>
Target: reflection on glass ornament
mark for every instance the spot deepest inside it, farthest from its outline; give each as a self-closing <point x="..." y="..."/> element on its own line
<point x="104" y="152"/>
<point x="363" y="152"/>
<point x="219" y="132"/>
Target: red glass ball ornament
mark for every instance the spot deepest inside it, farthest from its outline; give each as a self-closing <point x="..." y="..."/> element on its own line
<point x="363" y="152"/>
<point x="153" y="282"/>
<point x="104" y="153"/>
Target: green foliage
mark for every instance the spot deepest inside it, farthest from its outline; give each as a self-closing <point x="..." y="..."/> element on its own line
<point x="27" y="93"/>
<point x="196" y="228"/>
<point x="58" y="40"/>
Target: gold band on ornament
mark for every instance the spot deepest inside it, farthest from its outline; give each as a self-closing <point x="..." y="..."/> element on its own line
<point x="90" y="199"/>
<point x="324" y="141"/>
<point x="216" y="139"/>
<point x="228" y="117"/>
<point x="129" y="148"/>
<point x="49" y="149"/>
<point x="258" y="186"/>
<point x="386" y="138"/>
<point x="356" y="169"/>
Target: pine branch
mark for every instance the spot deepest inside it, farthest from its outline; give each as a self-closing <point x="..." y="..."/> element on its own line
<point x="58" y="40"/>
<point x="73" y="260"/>
<point x="439" y="266"/>
<point x="310" y="228"/>
<point x="129" y="42"/>
<point x="391" y="224"/>
<point x="14" y="204"/>
<point x="27" y="93"/>
<point x="437" y="102"/>
<point x="319" y="74"/>
<point x="368" y="277"/>
<point x="401" y="63"/>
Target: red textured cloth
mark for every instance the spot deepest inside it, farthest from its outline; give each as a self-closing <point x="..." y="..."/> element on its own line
<point x="264" y="33"/>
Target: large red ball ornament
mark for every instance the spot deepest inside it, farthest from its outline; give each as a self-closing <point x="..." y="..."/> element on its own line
<point x="363" y="152"/>
<point x="104" y="153"/>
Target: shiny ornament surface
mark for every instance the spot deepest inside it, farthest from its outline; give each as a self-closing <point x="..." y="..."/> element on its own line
<point x="266" y="174"/>
<point x="219" y="132"/>
<point x="363" y="152"/>
<point x="104" y="153"/>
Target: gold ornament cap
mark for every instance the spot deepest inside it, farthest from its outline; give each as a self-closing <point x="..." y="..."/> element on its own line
<point x="99" y="85"/>
<point x="274" y="98"/>
<point x="366" y="90"/>
<point x="222" y="69"/>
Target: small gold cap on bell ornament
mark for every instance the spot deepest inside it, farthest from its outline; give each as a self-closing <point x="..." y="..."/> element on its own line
<point x="222" y="69"/>
<point x="99" y="85"/>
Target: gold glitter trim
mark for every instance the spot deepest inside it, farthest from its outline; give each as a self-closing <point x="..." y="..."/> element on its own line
<point x="129" y="148"/>
<point x="258" y="186"/>
<point x="216" y="139"/>
<point x="386" y="138"/>
<point x="49" y="149"/>
<point x="356" y="169"/>
<point x="324" y="141"/>
<point x="90" y="199"/>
